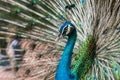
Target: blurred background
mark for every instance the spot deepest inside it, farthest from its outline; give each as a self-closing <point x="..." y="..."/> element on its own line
<point x="28" y="29"/>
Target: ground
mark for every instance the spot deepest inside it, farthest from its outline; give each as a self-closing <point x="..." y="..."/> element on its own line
<point x="37" y="63"/>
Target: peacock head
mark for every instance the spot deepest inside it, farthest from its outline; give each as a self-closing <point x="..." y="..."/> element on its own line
<point x="66" y="29"/>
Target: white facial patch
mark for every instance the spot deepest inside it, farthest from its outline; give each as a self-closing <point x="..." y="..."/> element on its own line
<point x="68" y="30"/>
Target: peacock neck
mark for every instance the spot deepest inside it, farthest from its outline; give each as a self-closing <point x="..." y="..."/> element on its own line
<point x="65" y="62"/>
<point x="67" y="54"/>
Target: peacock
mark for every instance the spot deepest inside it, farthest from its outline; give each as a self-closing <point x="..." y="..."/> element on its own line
<point x="83" y="37"/>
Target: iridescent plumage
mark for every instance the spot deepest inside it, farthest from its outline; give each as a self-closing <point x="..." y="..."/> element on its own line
<point x="97" y="22"/>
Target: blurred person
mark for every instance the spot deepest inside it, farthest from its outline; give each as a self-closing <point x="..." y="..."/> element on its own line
<point x="14" y="52"/>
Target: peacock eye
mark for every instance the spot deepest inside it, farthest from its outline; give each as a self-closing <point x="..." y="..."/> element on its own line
<point x="65" y="30"/>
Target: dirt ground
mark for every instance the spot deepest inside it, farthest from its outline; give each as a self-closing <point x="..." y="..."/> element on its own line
<point x="39" y="63"/>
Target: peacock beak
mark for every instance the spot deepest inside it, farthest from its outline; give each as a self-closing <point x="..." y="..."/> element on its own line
<point x="58" y="37"/>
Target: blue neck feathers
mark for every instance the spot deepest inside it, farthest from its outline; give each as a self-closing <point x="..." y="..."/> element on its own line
<point x="63" y="70"/>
